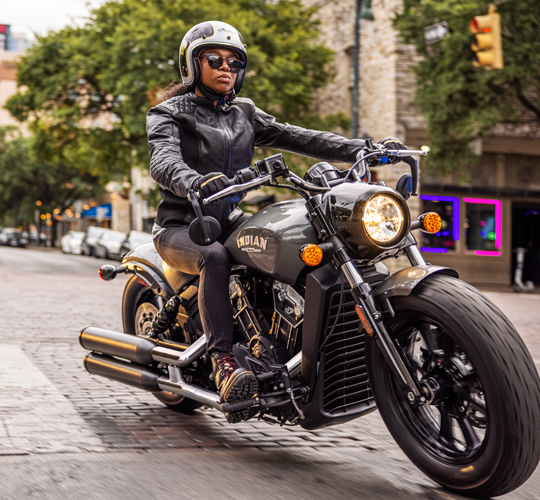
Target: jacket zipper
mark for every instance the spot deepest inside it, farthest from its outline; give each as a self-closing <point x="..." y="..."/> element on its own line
<point x="218" y="111"/>
<point x="228" y="138"/>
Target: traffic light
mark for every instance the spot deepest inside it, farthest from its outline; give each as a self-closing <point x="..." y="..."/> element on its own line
<point x="487" y="45"/>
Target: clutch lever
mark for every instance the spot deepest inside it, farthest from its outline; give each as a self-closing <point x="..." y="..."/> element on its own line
<point x="237" y="188"/>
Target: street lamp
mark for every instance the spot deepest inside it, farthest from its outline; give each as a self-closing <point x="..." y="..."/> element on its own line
<point x="362" y="12"/>
<point x="367" y="13"/>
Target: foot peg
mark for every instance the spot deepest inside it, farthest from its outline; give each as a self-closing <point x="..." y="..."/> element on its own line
<point x="239" y="405"/>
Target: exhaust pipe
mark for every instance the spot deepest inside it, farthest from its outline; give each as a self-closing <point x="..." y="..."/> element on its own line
<point x="141" y="377"/>
<point x="147" y="378"/>
<point x="190" y="391"/>
<point x="139" y="349"/>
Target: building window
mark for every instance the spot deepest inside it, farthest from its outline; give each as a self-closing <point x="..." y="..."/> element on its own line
<point x="445" y="240"/>
<point x="483" y="226"/>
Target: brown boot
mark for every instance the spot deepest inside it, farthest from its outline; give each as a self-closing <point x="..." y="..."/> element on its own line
<point x="233" y="384"/>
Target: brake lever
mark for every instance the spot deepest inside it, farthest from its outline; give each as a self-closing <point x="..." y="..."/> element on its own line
<point x="413" y="164"/>
<point x="407" y="157"/>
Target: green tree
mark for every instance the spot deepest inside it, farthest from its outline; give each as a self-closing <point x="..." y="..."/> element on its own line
<point x="90" y="88"/>
<point x="24" y="180"/>
<point x="458" y="101"/>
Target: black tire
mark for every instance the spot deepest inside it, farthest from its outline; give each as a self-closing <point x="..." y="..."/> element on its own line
<point x="488" y="387"/>
<point x="139" y="306"/>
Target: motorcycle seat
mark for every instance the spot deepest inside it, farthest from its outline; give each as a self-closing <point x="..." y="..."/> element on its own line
<point x="176" y="279"/>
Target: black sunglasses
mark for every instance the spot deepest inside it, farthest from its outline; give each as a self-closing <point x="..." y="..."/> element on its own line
<point x="215" y="62"/>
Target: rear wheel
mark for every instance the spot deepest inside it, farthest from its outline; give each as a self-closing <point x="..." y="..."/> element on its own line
<point x="478" y="434"/>
<point x="140" y="306"/>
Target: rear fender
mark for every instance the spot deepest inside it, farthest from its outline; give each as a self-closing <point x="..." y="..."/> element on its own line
<point x="404" y="281"/>
<point x="146" y="264"/>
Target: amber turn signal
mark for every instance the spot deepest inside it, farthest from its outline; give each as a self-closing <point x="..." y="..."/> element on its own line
<point x="431" y="222"/>
<point x="311" y="254"/>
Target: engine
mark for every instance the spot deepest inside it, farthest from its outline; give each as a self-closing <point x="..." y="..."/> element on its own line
<point x="269" y="316"/>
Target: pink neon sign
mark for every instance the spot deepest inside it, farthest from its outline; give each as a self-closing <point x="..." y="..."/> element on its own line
<point x="498" y="224"/>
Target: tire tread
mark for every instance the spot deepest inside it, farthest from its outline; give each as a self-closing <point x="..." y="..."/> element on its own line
<point x="520" y="385"/>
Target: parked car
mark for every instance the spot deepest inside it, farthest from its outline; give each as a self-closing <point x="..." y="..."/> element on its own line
<point x="71" y="242"/>
<point x="13" y="237"/>
<point x="133" y="240"/>
<point x="92" y="234"/>
<point x="39" y="239"/>
<point x="108" y="245"/>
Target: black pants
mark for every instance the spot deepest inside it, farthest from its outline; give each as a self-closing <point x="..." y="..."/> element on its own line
<point x="211" y="263"/>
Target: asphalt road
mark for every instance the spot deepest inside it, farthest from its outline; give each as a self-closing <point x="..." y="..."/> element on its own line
<point x="65" y="434"/>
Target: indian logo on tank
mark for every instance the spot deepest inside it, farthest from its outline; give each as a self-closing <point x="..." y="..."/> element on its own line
<point x="252" y="243"/>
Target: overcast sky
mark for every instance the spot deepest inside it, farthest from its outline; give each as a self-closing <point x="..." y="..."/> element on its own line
<point x="27" y="16"/>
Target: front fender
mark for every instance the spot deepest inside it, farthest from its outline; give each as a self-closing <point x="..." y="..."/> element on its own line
<point x="404" y="281"/>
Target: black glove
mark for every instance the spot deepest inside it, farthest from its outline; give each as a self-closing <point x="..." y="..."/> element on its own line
<point x="393" y="143"/>
<point x="211" y="183"/>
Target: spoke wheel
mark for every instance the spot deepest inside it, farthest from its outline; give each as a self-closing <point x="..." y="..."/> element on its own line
<point x="478" y="433"/>
<point x="454" y="424"/>
<point x="145" y="314"/>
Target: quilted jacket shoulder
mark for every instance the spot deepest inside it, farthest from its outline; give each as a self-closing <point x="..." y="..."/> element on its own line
<point x="182" y="104"/>
<point x="243" y="100"/>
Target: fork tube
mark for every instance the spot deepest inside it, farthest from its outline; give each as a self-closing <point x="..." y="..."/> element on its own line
<point x="414" y="256"/>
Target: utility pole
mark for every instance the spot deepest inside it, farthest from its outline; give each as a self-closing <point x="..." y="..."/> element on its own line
<point x="362" y="12"/>
<point x="356" y="72"/>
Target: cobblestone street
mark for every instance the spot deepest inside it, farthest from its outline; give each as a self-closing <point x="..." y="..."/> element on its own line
<point x="50" y="405"/>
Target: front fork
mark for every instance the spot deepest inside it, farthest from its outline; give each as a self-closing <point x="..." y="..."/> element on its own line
<point x="371" y="317"/>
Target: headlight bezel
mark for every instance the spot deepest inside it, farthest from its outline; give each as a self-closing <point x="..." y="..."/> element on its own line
<point x="344" y="205"/>
<point x="403" y="222"/>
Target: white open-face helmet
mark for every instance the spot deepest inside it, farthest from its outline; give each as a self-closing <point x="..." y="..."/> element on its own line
<point x="207" y="35"/>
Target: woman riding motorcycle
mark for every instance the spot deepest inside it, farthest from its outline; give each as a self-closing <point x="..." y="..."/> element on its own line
<point x="200" y="138"/>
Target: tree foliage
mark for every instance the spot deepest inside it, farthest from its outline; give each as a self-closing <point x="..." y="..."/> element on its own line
<point x="24" y="179"/>
<point x="460" y="102"/>
<point x="88" y="89"/>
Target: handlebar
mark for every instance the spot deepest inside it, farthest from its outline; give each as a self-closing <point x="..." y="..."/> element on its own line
<point x="240" y="183"/>
<point x="407" y="152"/>
<point x="267" y="171"/>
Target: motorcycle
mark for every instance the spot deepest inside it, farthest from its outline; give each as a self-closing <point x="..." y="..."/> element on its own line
<point x="331" y="335"/>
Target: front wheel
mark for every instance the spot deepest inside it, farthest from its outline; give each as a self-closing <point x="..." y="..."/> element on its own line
<point x="478" y="434"/>
<point x="139" y="307"/>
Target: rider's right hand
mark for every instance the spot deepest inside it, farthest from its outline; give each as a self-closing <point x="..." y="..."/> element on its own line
<point x="393" y="143"/>
<point x="211" y="183"/>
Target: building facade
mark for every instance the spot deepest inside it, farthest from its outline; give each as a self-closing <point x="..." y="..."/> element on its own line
<point x="486" y="217"/>
<point x="12" y="46"/>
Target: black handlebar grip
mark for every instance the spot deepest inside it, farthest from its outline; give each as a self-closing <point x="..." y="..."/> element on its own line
<point x="245" y="175"/>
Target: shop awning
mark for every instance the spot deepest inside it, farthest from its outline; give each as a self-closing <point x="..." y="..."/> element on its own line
<point x="100" y="212"/>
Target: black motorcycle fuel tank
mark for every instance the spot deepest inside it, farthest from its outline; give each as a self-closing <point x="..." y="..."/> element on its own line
<point x="271" y="240"/>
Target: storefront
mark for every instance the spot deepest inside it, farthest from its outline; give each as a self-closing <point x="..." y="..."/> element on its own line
<point x="480" y="235"/>
<point x="99" y="215"/>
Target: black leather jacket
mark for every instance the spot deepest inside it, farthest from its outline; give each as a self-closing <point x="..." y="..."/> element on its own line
<point x="190" y="137"/>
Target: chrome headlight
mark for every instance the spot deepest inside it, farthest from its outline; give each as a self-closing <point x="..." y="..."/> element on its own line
<point x="383" y="219"/>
